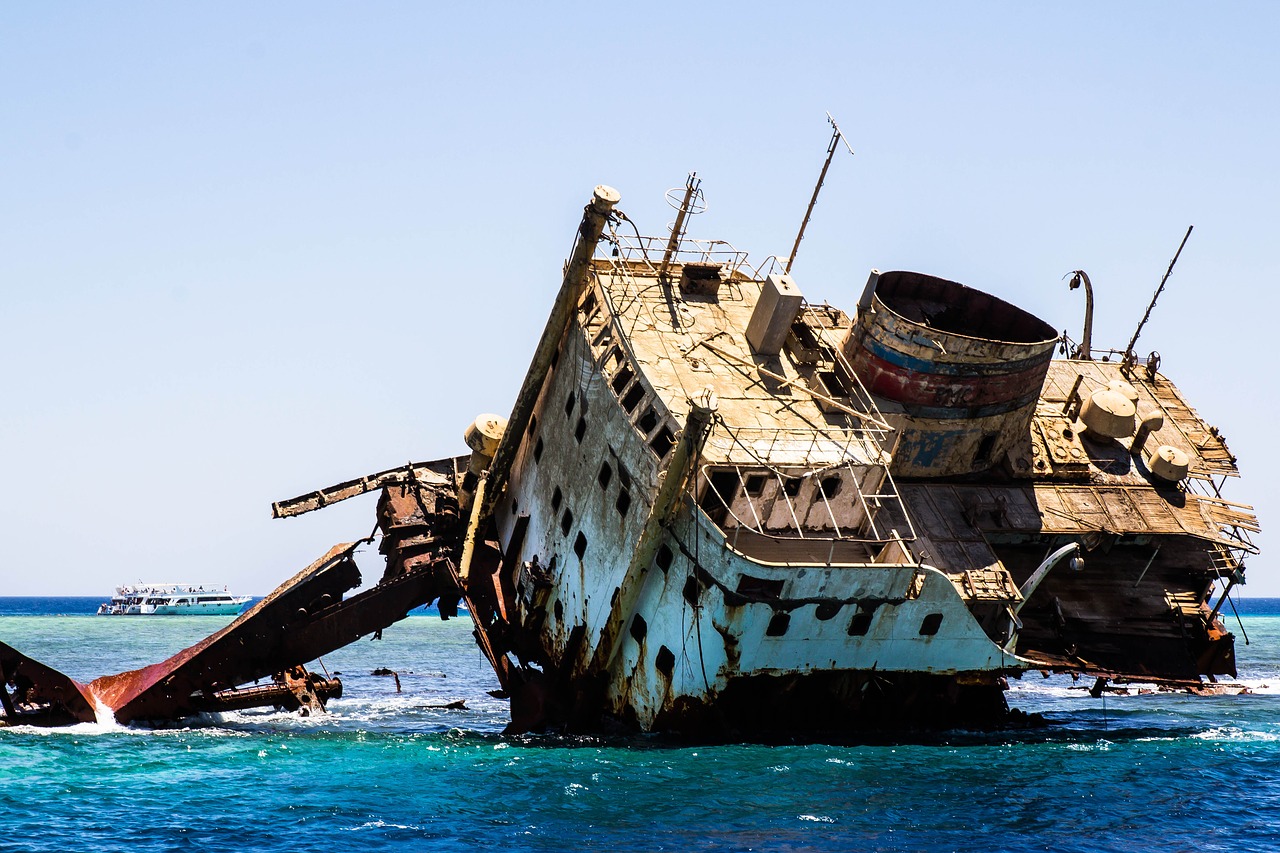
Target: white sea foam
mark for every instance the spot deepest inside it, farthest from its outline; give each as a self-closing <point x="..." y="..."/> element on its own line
<point x="1235" y="734"/>
<point x="816" y="818"/>
<point x="378" y="824"/>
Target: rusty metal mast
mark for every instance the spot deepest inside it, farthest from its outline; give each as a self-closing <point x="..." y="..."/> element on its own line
<point x="836" y="136"/>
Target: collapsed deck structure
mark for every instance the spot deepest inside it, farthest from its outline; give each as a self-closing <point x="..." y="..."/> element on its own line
<point x="716" y="508"/>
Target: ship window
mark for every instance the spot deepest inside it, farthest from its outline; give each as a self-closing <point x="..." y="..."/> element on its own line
<point x="691" y="590"/>
<point x="791" y="486"/>
<point x="830" y="487"/>
<point x="537" y="451"/>
<point x="647" y="421"/>
<point x="663" y="442"/>
<point x="638" y="628"/>
<point x="827" y="610"/>
<point x="613" y="359"/>
<point x="623" y="503"/>
<point x="778" y="624"/>
<point x="589" y="303"/>
<point x="555" y="359"/>
<point x="633" y="398"/>
<point x="556" y="497"/>
<point x="755" y="485"/>
<point x="665" y="662"/>
<point x="580" y="545"/>
<point x="624" y="477"/>
<point x="566" y="521"/>
<point x="620" y="380"/>
<point x="760" y="588"/>
<point x="860" y="624"/>
<point x="664" y="557"/>
<point x="515" y="506"/>
<point x="930" y="625"/>
<point x="605" y="475"/>
<point x="558" y="609"/>
<point x="580" y="430"/>
<point x="720" y="491"/>
<point x="568" y="404"/>
<point x="533" y="424"/>
<point x="983" y="454"/>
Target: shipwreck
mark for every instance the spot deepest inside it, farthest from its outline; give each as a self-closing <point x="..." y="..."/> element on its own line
<point x="717" y="508"/>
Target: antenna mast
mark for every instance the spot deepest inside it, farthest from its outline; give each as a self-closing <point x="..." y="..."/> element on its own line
<point x="1128" y="351"/>
<point x="836" y="136"/>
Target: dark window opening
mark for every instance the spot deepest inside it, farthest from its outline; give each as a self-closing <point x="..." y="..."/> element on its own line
<point x="620" y="380"/>
<point x="830" y="487"/>
<point x="580" y="545"/>
<point x="860" y="624"/>
<point x="515" y="506"/>
<point x="589" y="303"/>
<point x="633" y="398"/>
<point x="779" y="624"/>
<point x="533" y="424"/>
<point x="663" y="442"/>
<point x="580" y="430"/>
<point x="638" y="628"/>
<point x="605" y="475"/>
<point x="665" y="662"/>
<point x="983" y="454"/>
<point x="718" y="494"/>
<point x="569" y="403"/>
<point x="691" y="590"/>
<point x="759" y="587"/>
<point x="624" y="477"/>
<point x="930" y="625"/>
<point x="664" y="558"/>
<point x="623" y="503"/>
<point x="791" y="486"/>
<point x="827" y="610"/>
<point x="754" y="485"/>
<point x="537" y="451"/>
<point x="566" y="521"/>
<point x="556" y="497"/>
<point x="555" y="359"/>
<point x="647" y="421"/>
<point x="559" y="610"/>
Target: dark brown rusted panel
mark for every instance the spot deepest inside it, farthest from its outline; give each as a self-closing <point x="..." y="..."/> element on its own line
<point x="32" y="693"/>
<point x="302" y="620"/>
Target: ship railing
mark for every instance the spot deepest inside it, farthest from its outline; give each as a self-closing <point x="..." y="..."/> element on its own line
<point x="649" y="251"/>
<point x="816" y="447"/>
<point x="870" y="542"/>
<point x="858" y="392"/>
<point x="867" y="527"/>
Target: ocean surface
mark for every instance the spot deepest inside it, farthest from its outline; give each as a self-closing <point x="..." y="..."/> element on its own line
<point x="397" y="771"/>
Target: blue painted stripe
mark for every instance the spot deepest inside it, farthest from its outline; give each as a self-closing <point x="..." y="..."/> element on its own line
<point x="919" y="365"/>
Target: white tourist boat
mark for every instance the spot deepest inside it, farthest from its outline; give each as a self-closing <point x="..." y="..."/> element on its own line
<point x="171" y="600"/>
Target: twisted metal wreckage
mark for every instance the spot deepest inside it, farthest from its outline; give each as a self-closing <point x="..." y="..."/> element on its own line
<point x="716" y="508"/>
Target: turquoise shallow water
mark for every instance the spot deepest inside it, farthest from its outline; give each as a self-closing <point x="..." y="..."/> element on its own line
<point x="392" y="771"/>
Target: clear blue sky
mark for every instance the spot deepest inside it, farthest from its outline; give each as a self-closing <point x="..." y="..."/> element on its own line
<point x="248" y="250"/>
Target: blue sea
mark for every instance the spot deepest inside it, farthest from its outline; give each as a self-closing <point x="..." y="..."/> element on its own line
<point x="387" y="770"/>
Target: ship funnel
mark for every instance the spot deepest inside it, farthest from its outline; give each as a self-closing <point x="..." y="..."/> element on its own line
<point x="964" y="367"/>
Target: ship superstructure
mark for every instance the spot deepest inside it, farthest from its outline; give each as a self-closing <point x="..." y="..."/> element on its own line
<point x="716" y="507"/>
